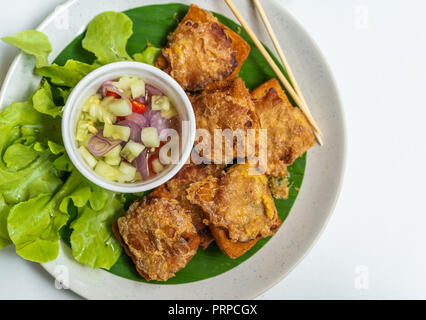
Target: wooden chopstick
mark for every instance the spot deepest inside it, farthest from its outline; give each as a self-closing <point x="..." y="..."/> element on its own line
<point x="299" y="101"/>
<point x="283" y="59"/>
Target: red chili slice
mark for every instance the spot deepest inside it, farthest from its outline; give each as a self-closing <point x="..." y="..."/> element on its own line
<point x="112" y="94"/>
<point x="138" y="107"/>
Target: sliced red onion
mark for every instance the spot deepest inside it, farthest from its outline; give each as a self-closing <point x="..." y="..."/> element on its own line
<point x="148" y="112"/>
<point x="135" y="129"/>
<point x="141" y="99"/>
<point x="139" y="119"/>
<point x="141" y="164"/>
<point x="99" y="145"/>
<point x="153" y="91"/>
<point x="108" y="86"/>
<point x="157" y="121"/>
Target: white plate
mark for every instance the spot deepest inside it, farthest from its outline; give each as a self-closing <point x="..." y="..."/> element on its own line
<point x="316" y="199"/>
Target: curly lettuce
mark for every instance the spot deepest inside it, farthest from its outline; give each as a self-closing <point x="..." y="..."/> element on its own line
<point x="34" y="225"/>
<point x="24" y="171"/>
<point x="32" y="42"/>
<point x="148" y="56"/>
<point x="68" y="75"/>
<point x="107" y="36"/>
<point x="43" y="101"/>
<point x="92" y="240"/>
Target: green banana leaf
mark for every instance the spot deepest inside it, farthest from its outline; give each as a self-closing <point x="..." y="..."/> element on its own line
<point x="152" y="24"/>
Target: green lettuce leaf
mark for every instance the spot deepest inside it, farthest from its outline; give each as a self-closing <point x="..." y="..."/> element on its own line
<point x="19" y="156"/>
<point x="107" y="36"/>
<point x="90" y="234"/>
<point x="33" y="228"/>
<point x="32" y="42"/>
<point x="34" y="225"/>
<point x="4" y="212"/>
<point x="148" y="56"/>
<point x="99" y="197"/>
<point x="63" y="163"/>
<point x="64" y="93"/>
<point x="55" y="148"/>
<point x="43" y="101"/>
<point x="92" y="240"/>
<point x="38" y="178"/>
<point x="24" y="171"/>
<point x="68" y="75"/>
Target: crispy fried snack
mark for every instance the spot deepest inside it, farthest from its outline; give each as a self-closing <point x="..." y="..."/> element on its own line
<point x="239" y="207"/>
<point x="159" y="237"/>
<point x="202" y="50"/>
<point x="177" y="186"/>
<point x="289" y="133"/>
<point x="226" y="105"/>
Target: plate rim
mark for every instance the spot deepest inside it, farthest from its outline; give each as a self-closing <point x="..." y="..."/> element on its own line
<point x="342" y="172"/>
<point x="343" y="162"/>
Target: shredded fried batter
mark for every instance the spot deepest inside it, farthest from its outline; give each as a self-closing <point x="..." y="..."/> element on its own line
<point x="289" y="133"/>
<point x="177" y="187"/>
<point x="238" y="203"/>
<point x="226" y="105"/>
<point x="159" y="237"/>
<point x="201" y="50"/>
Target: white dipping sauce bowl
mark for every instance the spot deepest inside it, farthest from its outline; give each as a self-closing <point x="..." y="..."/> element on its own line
<point x="90" y="85"/>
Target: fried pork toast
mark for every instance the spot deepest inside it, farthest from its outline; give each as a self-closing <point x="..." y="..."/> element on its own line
<point x="239" y="208"/>
<point x="202" y="50"/>
<point x="225" y="105"/>
<point x="158" y="235"/>
<point x="177" y="186"/>
<point x="289" y="134"/>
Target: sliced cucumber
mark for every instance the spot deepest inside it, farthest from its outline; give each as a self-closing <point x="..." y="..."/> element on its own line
<point x="122" y="178"/>
<point x="157" y="166"/>
<point x="87" y="157"/>
<point x="86" y="116"/>
<point x="113" y="161"/>
<point x="168" y="114"/>
<point x="113" y="157"/>
<point x="160" y="103"/>
<point x="150" y="137"/>
<point x="95" y="99"/>
<point x="125" y="82"/>
<point x="128" y="170"/>
<point x="82" y="130"/>
<point x="86" y="140"/>
<point x="106" y="101"/>
<point x="105" y="170"/>
<point x="127" y="173"/>
<point x="95" y="111"/>
<point x="114" y="153"/>
<point x="116" y="132"/>
<point x="138" y="88"/>
<point x="120" y="107"/>
<point x="101" y="114"/>
<point x="132" y="150"/>
<point x="108" y="117"/>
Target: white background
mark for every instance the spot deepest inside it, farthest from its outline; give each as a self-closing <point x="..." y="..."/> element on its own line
<point x="379" y="225"/>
